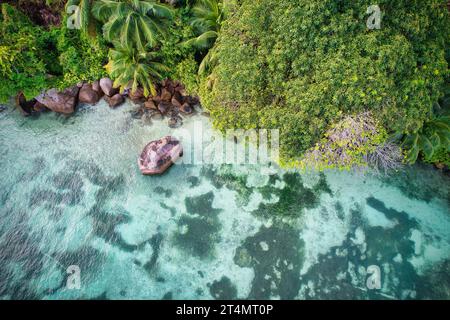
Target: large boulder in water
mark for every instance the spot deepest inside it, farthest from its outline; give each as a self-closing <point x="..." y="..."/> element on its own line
<point x="61" y="102"/>
<point x="159" y="155"/>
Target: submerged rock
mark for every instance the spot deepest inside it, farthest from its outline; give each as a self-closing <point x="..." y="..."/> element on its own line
<point x="243" y="258"/>
<point x="186" y="108"/>
<point x="159" y="155"/>
<point x="223" y="289"/>
<point x="175" y="122"/>
<point x="137" y="113"/>
<point x="147" y="117"/>
<point x="164" y="107"/>
<point x="115" y="101"/>
<point x="157" y="115"/>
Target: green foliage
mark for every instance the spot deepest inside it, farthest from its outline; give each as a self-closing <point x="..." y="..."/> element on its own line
<point x="186" y="72"/>
<point x="22" y="55"/>
<point x="301" y="65"/>
<point x="169" y="49"/>
<point x="47" y="41"/>
<point x="440" y="156"/>
<point x="207" y="19"/>
<point x="33" y="59"/>
<point x="137" y="23"/>
<point x="432" y="140"/>
<point x="345" y="144"/>
<point x="180" y="59"/>
<point x="82" y="57"/>
<point x="136" y="28"/>
<point x="131" y="67"/>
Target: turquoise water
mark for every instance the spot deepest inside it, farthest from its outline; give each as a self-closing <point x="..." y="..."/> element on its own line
<point x="71" y="194"/>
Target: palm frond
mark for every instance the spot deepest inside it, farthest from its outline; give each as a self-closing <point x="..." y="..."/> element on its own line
<point x="103" y="10"/>
<point x="204" y="41"/>
<point x="134" y="22"/>
<point x="131" y="68"/>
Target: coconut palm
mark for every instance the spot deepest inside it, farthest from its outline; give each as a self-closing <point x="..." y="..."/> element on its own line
<point x="135" y="23"/>
<point x="131" y="67"/>
<point x="208" y="16"/>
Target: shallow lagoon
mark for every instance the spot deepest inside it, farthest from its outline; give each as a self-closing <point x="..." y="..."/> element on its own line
<point x="72" y="194"/>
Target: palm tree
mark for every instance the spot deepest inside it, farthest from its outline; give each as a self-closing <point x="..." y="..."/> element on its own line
<point x="131" y="67"/>
<point x="208" y="16"/>
<point x="135" y="23"/>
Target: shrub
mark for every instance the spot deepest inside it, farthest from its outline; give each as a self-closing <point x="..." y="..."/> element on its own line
<point x="186" y="72"/>
<point x="33" y="59"/>
<point x="22" y="56"/>
<point x="82" y="56"/>
<point x="356" y="142"/>
<point x="169" y="49"/>
<point x="440" y="156"/>
<point x="302" y="65"/>
<point x="180" y="59"/>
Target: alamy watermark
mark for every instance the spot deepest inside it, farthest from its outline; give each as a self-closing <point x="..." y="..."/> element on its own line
<point x="74" y="278"/>
<point x="235" y="146"/>
<point x="374" y="20"/>
<point x="374" y="280"/>
<point x="74" y="19"/>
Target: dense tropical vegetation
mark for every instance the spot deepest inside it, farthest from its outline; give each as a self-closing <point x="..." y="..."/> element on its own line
<point x="309" y="67"/>
<point x="303" y="65"/>
<point x="133" y="68"/>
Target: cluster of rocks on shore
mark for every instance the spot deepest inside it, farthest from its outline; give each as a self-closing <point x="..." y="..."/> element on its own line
<point x="171" y="100"/>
